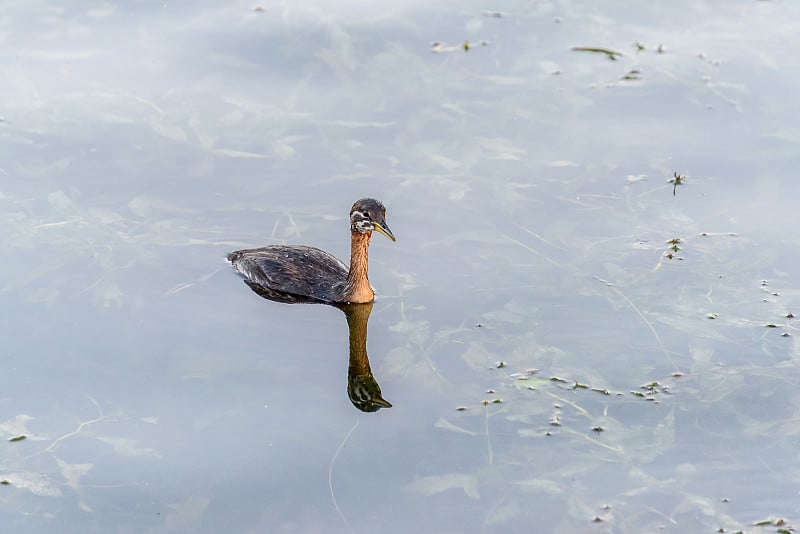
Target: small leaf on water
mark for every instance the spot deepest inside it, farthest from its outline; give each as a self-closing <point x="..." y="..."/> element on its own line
<point x="5" y="482"/>
<point x="611" y="54"/>
<point x="18" y="438"/>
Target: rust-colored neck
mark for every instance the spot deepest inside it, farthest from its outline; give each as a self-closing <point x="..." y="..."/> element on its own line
<point x="358" y="288"/>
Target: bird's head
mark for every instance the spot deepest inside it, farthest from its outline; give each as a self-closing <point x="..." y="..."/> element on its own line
<point x="367" y="215"/>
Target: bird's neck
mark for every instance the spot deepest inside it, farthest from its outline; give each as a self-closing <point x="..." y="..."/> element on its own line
<point x="359" y="289"/>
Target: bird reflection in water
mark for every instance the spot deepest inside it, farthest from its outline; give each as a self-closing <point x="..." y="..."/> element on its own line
<point x="362" y="388"/>
<point x="301" y="274"/>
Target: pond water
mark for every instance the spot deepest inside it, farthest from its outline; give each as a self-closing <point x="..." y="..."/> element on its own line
<point x="585" y="325"/>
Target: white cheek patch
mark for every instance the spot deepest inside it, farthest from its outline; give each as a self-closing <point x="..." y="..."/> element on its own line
<point x="363" y="226"/>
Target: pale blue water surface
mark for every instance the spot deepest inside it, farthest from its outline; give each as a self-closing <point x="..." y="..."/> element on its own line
<point x="570" y="342"/>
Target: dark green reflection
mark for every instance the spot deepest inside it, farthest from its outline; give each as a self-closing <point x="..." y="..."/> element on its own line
<point x="362" y="388"/>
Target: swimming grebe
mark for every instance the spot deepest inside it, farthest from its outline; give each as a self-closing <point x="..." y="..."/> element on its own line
<point x="297" y="273"/>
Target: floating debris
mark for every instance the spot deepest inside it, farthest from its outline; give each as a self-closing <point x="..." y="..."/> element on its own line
<point x="5" y="482"/>
<point x="633" y="74"/>
<point x="650" y="390"/>
<point x="674" y="248"/>
<point x="676" y="180"/>
<point x="18" y="438"/>
<point x="611" y="54"/>
<point x="438" y="47"/>
<point x="494" y="14"/>
<point x="712" y="315"/>
<point x="525" y="374"/>
<point x="639" y="47"/>
<point x="780" y="523"/>
<point x="597" y="429"/>
<point x="461" y="408"/>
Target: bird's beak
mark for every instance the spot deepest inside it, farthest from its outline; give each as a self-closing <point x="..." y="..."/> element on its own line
<point x="382" y="228"/>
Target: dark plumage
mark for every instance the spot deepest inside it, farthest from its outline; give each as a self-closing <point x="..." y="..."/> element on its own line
<point x="297" y="273"/>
